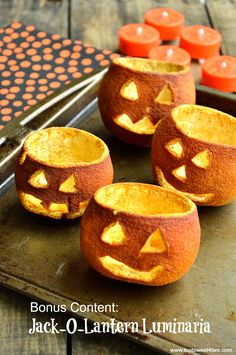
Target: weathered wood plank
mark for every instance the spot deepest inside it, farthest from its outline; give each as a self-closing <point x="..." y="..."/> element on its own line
<point x="98" y="22"/>
<point x="15" y="322"/>
<point x="14" y="308"/>
<point x="107" y="344"/>
<point x="223" y="15"/>
<point x="49" y="15"/>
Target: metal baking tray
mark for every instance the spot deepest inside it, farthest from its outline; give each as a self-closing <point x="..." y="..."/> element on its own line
<point x="42" y="259"/>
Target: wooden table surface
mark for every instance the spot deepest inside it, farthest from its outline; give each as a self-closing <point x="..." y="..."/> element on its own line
<point x="95" y="22"/>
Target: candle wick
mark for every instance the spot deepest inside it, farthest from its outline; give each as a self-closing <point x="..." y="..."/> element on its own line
<point x="139" y="30"/>
<point x="202" y="60"/>
<point x="201" y="32"/>
<point x="164" y="14"/>
<point x="223" y="65"/>
<point x="169" y="53"/>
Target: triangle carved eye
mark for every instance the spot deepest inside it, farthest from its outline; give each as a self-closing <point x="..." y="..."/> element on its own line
<point x="69" y="185"/>
<point x="113" y="234"/>
<point x="38" y="179"/>
<point x="129" y="90"/>
<point x="155" y="243"/>
<point x="175" y="148"/>
<point x="180" y="173"/>
<point x="201" y="159"/>
<point x="165" y="96"/>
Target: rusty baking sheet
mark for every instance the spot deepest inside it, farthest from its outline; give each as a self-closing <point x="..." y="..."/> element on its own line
<point x="42" y="258"/>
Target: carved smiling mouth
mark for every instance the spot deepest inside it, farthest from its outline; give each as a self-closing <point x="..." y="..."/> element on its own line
<point x="120" y="269"/>
<point x="55" y="210"/>
<point x="200" y="198"/>
<point x="143" y="126"/>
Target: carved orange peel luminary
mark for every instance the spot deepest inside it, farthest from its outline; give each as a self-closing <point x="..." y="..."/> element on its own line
<point x="140" y="233"/>
<point x="136" y="93"/>
<point x="194" y="152"/>
<point x="59" y="169"/>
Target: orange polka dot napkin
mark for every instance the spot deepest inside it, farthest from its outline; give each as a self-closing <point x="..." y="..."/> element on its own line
<point x="34" y="64"/>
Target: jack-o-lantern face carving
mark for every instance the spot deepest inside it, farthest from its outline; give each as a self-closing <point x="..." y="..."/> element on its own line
<point x="140" y="233"/>
<point x="136" y="93"/>
<point x="59" y="169"/>
<point x="195" y="152"/>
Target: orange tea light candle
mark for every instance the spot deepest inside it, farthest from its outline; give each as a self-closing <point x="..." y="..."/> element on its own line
<point x="170" y="54"/>
<point x="200" y="42"/>
<point x="137" y="39"/>
<point x="167" y="21"/>
<point x="220" y="73"/>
